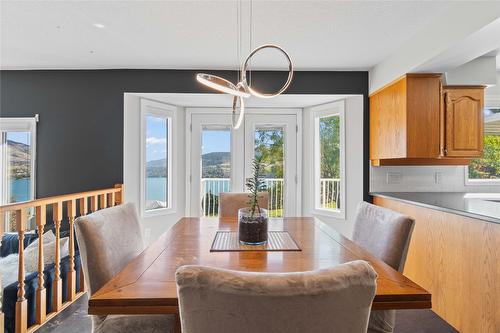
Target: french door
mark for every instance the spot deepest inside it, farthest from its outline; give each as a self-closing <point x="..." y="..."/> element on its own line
<point x="221" y="159"/>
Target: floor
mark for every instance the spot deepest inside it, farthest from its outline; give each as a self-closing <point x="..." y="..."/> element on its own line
<point x="74" y="319"/>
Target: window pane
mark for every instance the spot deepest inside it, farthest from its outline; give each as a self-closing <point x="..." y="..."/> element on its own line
<point x="329" y="161"/>
<point x="269" y="144"/>
<point x="215" y="167"/>
<point x="488" y="167"/>
<point x="16" y="165"/>
<point x="18" y="158"/>
<point x="156" y="162"/>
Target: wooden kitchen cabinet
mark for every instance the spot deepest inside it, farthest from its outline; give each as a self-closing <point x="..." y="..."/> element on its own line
<point x="414" y="121"/>
<point x="464" y="123"/>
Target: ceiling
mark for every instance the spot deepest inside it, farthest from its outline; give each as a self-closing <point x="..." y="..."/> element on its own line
<point x="319" y="35"/>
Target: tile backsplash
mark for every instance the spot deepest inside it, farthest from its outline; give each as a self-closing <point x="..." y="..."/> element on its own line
<point x="424" y="179"/>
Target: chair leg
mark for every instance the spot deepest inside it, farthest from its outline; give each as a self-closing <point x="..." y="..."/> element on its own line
<point x="177" y="326"/>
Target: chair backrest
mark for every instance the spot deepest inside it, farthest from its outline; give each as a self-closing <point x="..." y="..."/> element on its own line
<point x="230" y="202"/>
<point x="336" y="299"/>
<point x="383" y="232"/>
<point x="108" y="239"/>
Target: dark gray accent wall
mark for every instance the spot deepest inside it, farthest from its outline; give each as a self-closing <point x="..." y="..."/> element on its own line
<point x="80" y="133"/>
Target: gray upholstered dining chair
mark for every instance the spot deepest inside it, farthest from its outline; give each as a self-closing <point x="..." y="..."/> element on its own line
<point x="385" y="234"/>
<point x="230" y="202"/>
<point x="108" y="240"/>
<point x="337" y="299"/>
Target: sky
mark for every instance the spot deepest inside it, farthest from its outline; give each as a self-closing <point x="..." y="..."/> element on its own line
<point x="216" y="141"/>
<point x="156" y="138"/>
<point x="21" y="137"/>
<point x="156" y="134"/>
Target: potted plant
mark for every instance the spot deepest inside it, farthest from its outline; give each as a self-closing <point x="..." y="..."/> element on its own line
<point x="252" y="220"/>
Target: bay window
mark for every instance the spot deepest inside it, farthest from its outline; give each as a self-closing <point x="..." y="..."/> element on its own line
<point x="156" y="158"/>
<point x="329" y="160"/>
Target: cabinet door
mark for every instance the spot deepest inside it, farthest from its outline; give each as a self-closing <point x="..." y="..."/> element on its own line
<point x="464" y="122"/>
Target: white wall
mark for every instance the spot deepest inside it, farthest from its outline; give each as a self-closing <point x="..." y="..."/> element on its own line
<point x="354" y="165"/>
<point x="152" y="227"/>
<point x="492" y="94"/>
<point x="422" y="179"/>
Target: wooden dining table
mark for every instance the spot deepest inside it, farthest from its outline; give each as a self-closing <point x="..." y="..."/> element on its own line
<point x="147" y="284"/>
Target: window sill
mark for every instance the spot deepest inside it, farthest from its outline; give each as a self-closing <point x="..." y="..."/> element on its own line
<point x="482" y="182"/>
<point x="157" y="212"/>
<point x="337" y="214"/>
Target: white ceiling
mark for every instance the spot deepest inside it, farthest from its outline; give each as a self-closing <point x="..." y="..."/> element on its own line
<point x="225" y="100"/>
<point x="202" y="34"/>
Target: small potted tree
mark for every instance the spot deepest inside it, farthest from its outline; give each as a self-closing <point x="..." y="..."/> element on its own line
<point x="252" y="220"/>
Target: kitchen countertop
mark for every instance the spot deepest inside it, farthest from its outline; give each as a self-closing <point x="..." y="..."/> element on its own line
<point x="482" y="206"/>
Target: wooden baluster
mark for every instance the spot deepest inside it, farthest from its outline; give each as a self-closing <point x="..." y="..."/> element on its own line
<point x="119" y="195"/>
<point x="93" y="203"/>
<point x="71" y="272"/>
<point x="2" y="224"/>
<point x="22" y="302"/>
<point x="111" y="199"/>
<point x="41" y="309"/>
<point x="103" y="201"/>
<point x="57" y="283"/>
<point x="84" y="208"/>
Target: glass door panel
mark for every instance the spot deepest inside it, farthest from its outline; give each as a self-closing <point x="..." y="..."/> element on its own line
<point x="216" y="162"/>
<point x="215" y="167"/>
<point x="269" y="145"/>
<point x="274" y="137"/>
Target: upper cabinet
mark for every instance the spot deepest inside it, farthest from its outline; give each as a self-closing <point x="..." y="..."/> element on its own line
<point x="463" y="114"/>
<point x="414" y="121"/>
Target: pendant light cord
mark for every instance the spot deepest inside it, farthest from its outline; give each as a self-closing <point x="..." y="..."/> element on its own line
<point x="238" y="39"/>
<point x="250" y="41"/>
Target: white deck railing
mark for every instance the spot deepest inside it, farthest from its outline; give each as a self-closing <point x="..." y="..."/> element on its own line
<point x="211" y="187"/>
<point x="329" y="193"/>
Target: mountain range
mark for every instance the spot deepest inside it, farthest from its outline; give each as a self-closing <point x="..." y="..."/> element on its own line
<point x="19" y="158"/>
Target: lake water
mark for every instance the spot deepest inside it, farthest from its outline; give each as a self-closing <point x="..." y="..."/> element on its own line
<point x="156" y="188"/>
<point x="20" y="189"/>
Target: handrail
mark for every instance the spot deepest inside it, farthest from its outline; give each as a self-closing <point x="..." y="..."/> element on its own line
<point x="58" y="198"/>
<point x="99" y="199"/>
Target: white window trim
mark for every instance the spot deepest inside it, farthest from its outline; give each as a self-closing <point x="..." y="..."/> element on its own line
<point x="493" y="103"/>
<point x="329" y="109"/>
<point x="27" y="124"/>
<point x="167" y="111"/>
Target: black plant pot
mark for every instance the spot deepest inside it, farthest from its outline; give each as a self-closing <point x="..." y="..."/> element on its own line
<point x="252" y="229"/>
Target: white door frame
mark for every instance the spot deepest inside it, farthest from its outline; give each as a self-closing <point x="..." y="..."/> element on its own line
<point x="227" y="111"/>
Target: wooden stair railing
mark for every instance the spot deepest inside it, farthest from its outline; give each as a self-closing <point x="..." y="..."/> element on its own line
<point x="99" y="199"/>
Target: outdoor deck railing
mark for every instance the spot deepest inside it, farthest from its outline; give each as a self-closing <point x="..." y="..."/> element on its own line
<point x="329" y="192"/>
<point x="211" y="187"/>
